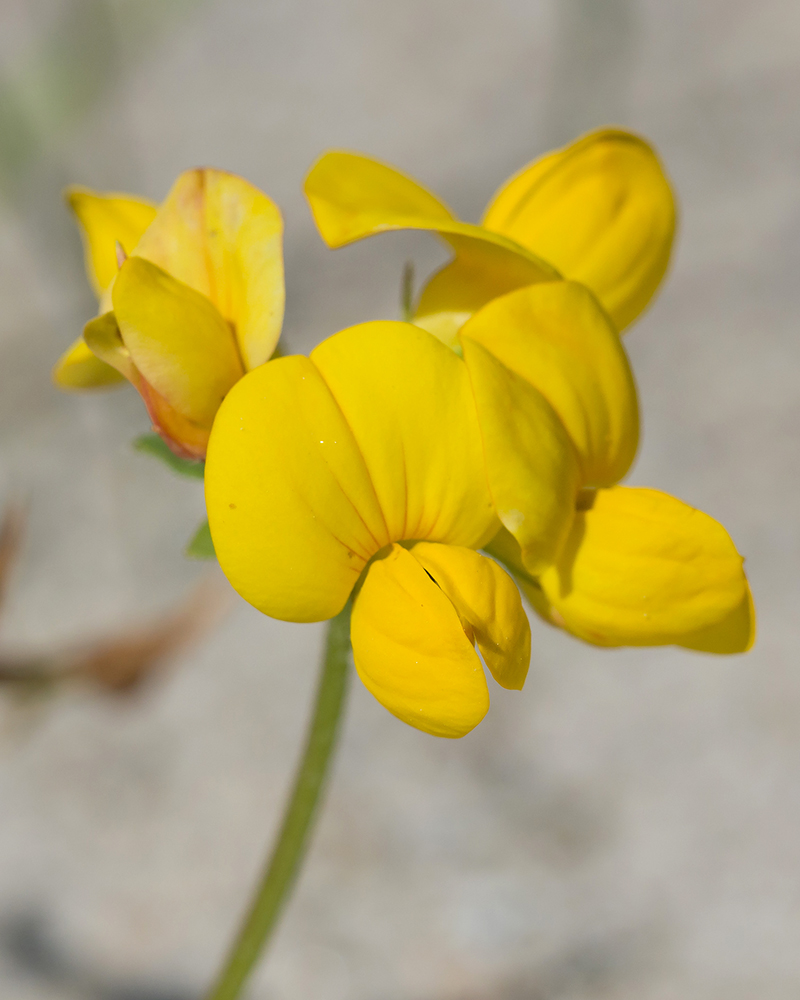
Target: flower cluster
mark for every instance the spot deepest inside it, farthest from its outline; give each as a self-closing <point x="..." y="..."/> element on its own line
<point x="501" y="418"/>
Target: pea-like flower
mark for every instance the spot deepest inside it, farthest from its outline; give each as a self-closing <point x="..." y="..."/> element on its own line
<point x="191" y="297"/>
<point x="600" y="212"/>
<point x="360" y="471"/>
<point x="634" y="567"/>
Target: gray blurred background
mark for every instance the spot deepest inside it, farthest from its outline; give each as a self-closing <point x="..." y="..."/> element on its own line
<point x="628" y="826"/>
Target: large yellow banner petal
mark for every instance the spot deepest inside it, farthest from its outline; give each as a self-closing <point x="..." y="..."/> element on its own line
<point x="601" y="211"/>
<point x="556" y="336"/>
<point x="488" y="604"/>
<point x="353" y="196"/>
<point x="292" y="510"/>
<point x="641" y="568"/>
<point x="105" y="220"/>
<point x="223" y="237"/>
<point x="408" y="402"/>
<point x="176" y="338"/>
<point x="531" y="463"/>
<point x="480" y="272"/>
<point x="411" y="651"/>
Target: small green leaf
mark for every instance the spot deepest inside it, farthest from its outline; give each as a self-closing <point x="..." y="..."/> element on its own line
<point x="201" y="546"/>
<point x="153" y="444"/>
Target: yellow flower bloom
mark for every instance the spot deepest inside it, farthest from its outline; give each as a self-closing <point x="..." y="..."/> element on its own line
<point x="196" y="304"/>
<point x="599" y="211"/>
<point x="635" y="567"/>
<point x="360" y="471"/>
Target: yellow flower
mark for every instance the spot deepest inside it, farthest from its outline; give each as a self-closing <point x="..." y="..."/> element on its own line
<point x="191" y="297"/>
<point x="360" y="471"/>
<point x="635" y="567"/>
<point x="599" y="211"/>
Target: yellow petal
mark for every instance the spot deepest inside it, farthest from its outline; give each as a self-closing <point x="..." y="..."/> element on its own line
<point x="223" y="237"/>
<point x="601" y="211"/>
<point x="292" y="511"/>
<point x="185" y="437"/>
<point x="104" y="220"/>
<point x="488" y="604"/>
<point x="642" y="569"/>
<point x="479" y="273"/>
<point x="531" y="462"/>
<point x="353" y="196"/>
<point x="176" y="338"/>
<point x="736" y="633"/>
<point x="79" y="368"/>
<point x="104" y="340"/>
<point x="411" y="652"/>
<point x="557" y="337"/>
<point x="408" y="402"/>
<point x="505" y="548"/>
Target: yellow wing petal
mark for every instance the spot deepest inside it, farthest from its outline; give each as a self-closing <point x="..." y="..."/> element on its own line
<point x="176" y="338"/>
<point x="79" y="368"/>
<point x="411" y="652"/>
<point x="353" y="196"/>
<point x="557" y="337"/>
<point x="292" y="511"/>
<point x="601" y="211"/>
<point x="531" y="462"/>
<point x="488" y="604"/>
<point x="408" y="402"/>
<point x="185" y="437"/>
<point x="105" y="219"/>
<point x="223" y="237"/>
<point x="641" y="568"/>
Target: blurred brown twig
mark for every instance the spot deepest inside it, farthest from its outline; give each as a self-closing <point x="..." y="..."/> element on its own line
<point x="119" y="663"/>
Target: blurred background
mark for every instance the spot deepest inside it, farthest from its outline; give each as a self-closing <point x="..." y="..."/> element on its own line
<point x="627" y="827"/>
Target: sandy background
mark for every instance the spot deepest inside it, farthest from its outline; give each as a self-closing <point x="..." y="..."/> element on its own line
<point x="625" y="828"/>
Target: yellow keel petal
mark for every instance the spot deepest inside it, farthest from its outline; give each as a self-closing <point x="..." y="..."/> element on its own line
<point x="488" y="603"/>
<point x="411" y="651"/>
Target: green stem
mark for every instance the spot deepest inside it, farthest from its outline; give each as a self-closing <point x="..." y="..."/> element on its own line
<point x="287" y="855"/>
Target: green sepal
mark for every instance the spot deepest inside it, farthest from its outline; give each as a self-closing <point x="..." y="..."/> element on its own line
<point x="201" y="546"/>
<point x="153" y="444"/>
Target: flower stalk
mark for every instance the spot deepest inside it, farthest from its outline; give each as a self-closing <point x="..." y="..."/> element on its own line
<point x="289" y="851"/>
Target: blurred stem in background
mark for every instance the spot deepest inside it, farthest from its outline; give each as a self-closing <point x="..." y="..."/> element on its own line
<point x="298" y="821"/>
